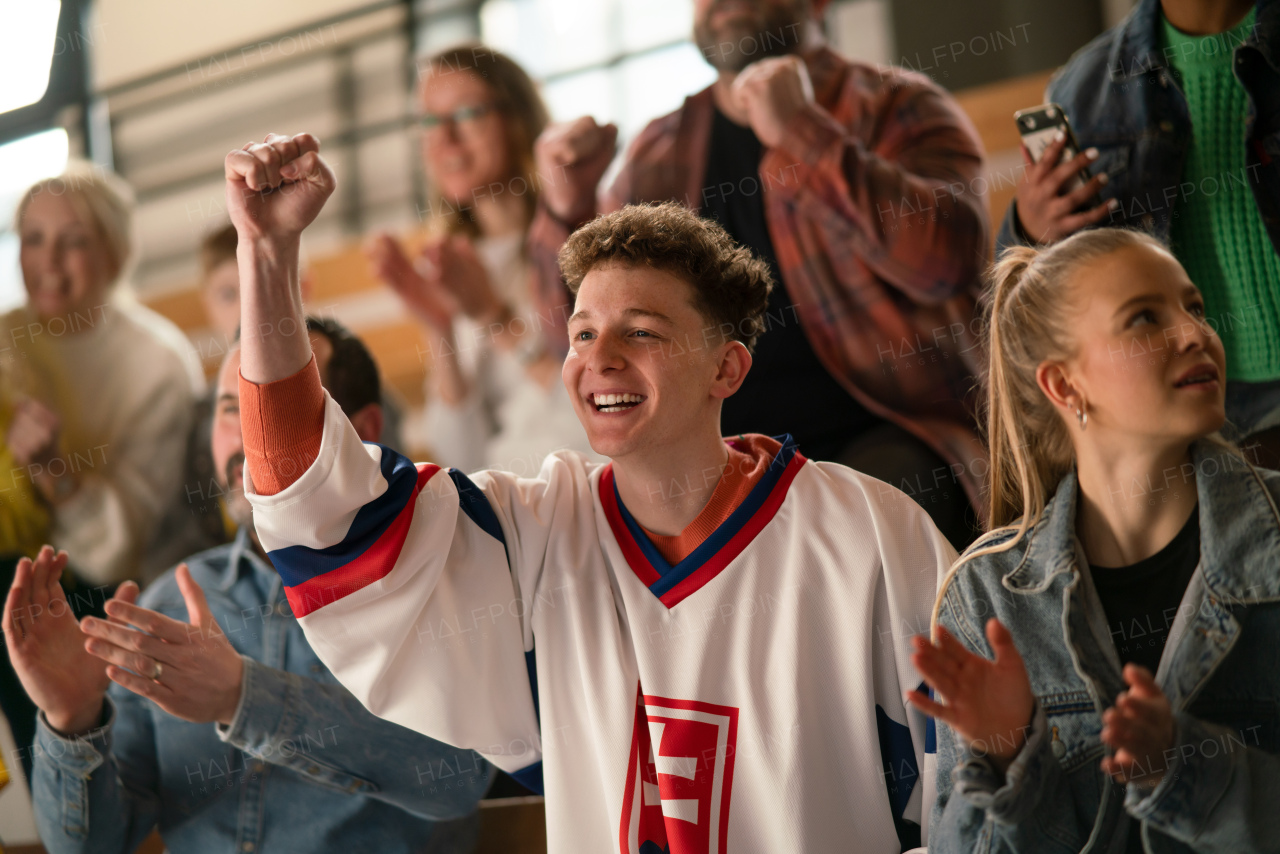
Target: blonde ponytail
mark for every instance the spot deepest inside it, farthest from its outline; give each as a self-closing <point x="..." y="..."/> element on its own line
<point x="1023" y="326"/>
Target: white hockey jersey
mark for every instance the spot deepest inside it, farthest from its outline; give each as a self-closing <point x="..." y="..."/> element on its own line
<point x="747" y="699"/>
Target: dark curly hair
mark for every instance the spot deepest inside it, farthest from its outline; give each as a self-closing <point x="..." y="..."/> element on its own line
<point x="730" y="285"/>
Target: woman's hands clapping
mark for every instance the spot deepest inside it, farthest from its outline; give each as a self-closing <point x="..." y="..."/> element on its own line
<point x="1140" y="729"/>
<point x="447" y="279"/>
<point x="988" y="703"/>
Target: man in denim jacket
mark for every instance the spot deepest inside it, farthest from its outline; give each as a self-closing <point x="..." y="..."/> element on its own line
<point x="1182" y="135"/>
<point x="243" y="741"/>
<point x="1221" y="674"/>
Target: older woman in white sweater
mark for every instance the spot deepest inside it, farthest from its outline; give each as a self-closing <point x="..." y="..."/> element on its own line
<point x="106" y="386"/>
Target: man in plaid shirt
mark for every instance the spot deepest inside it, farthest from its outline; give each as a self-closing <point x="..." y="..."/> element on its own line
<point x="860" y="186"/>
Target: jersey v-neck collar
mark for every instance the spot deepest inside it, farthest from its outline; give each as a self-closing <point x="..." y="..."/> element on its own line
<point x="673" y="583"/>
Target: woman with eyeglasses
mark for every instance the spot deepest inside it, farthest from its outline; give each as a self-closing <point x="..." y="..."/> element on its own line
<point x="494" y="399"/>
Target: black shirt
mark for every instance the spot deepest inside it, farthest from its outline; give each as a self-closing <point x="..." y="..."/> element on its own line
<point x="788" y="390"/>
<point x="1142" y="599"/>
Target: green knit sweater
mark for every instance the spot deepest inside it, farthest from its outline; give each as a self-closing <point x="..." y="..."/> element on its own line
<point x="1217" y="233"/>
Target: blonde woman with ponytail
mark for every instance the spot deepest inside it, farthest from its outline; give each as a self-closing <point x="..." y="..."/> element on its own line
<point x="1105" y="662"/>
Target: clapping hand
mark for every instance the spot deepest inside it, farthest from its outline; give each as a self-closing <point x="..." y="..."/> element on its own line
<point x="1140" y="729"/>
<point x="188" y="669"/>
<point x="423" y="294"/>
<point x="988" y="703"/>
<point x="447" y="279"/>
<point x="33" y="433"/>
<point x="46" y="644"/>
<point x="453" y="263"/>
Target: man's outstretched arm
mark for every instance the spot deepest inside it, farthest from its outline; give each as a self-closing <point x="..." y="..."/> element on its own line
<point x="275" y="189"/>
<point x="375" y="553"/>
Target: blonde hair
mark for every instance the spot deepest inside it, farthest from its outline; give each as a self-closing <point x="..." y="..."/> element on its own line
<point x="1024" y="324"/>
<point x="516" y="98"/>
<point x="102" y="200"/>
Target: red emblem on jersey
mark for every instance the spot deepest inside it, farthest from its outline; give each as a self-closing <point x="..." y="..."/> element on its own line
<point x="679" y="778"/>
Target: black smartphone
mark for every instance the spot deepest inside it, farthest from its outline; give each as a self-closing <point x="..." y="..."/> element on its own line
<point x="1038" y="126"/>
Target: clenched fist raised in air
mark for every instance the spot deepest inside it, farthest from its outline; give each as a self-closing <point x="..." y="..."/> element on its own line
<point x="571" y="158"/>
<point x="770" y="93"/>
<point x="275" y="189"/>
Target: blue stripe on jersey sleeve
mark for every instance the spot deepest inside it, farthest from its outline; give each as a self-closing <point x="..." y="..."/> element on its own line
<point x="531" y="664"/>
<point x="930" y="728"/>
<point x="297" y="564"/>
<point x="475" y="504"/>
<point x="899" y="759"/>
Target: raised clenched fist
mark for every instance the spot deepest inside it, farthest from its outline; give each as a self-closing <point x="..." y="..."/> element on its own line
<point x="571" y="159"/>
<point x="771" y="92"/>
<point x="275" y="188"/>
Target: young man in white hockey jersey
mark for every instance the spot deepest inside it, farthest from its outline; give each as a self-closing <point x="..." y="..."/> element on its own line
<point x="700" y="647"/>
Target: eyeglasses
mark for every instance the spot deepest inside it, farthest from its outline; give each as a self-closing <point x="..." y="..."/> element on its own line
<point x="463" y="116"/>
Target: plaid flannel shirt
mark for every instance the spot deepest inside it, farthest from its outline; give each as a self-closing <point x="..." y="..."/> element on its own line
<point x="881" y="233"/>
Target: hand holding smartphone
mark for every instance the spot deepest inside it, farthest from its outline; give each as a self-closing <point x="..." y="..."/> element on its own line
<point x="1044" y="125"/>
<point x="1052" y="196"/>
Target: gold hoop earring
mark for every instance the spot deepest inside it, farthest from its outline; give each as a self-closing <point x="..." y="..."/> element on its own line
<point x="1083" y="415"/>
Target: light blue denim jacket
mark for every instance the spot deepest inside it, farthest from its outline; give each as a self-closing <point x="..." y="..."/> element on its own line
<point x="303" y="767"/>
<point x="1220" y="671"/>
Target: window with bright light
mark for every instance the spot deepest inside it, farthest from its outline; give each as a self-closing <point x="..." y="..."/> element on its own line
<point x="27" y="41"/>
<point x="22" y="163"/>
<point x="617" y="60"/>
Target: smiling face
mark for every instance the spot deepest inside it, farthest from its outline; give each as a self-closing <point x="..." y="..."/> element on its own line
<point x="1147" y="364"/>
<point x="645" y="369"/>
<point x="66" y="266"/>
<point x="465" y="157"/>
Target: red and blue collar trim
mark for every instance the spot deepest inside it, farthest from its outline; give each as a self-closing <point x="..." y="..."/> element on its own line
<point x="671" y="584"/>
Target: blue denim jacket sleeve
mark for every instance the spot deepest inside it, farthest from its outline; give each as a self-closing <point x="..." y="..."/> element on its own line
<point x="977" y="809"/>
<point x="96" y="794"/>
<point x="320" y="730"/>
<point x="1218" y="795"/>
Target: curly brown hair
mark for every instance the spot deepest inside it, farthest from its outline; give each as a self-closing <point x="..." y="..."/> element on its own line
<point x="730" y="285"/>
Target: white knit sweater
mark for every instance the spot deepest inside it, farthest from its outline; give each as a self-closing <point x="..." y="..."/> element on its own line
<point x="125" y="394"/>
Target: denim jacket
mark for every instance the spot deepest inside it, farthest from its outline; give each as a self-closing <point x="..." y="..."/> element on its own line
<point x="302" y="766"/>
<point x="1220" y="671"/>
<point x="1121" y="97"/>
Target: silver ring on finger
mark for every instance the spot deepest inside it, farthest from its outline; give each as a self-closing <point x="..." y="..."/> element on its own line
<point x="157" y="673"/>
